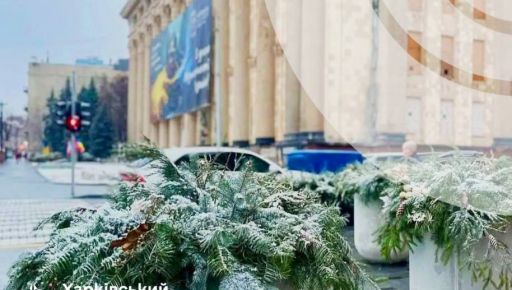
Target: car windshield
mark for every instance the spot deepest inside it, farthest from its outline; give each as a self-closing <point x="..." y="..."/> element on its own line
<point x="139" y="163"/>
<point x="229" y="161"/>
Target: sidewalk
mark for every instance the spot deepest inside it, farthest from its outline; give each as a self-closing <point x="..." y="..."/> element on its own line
<point x="17" y="221"/>
<point x="19" y="217"/>
<point x="26" y="199"/>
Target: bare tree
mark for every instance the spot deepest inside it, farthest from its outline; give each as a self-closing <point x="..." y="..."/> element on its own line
<point x="115" y="94"/>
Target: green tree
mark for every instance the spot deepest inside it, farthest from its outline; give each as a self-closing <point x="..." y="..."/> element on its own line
<point x="102" y="133"/>
<point x="54" y="134"/>
<point x="65" y="93"/>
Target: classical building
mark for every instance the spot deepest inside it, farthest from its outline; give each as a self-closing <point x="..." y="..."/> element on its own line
<point x="372" y="74"/>
<point x="14" y="133"/>
<point x="43" y="78"/>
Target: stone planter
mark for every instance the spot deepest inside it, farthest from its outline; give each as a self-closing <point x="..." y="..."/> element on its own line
<point x="427" y="273"/>
<point x="367" y="220"/>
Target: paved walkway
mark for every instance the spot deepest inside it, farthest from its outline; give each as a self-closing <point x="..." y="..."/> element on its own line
<point x="26" y="198"/>
<point x="19" y="217"/>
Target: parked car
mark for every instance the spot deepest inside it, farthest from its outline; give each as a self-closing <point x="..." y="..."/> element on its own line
<point x="231" y="159"/>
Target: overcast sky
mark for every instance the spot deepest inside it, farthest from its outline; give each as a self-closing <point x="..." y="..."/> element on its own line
<point x="62" y="29"/>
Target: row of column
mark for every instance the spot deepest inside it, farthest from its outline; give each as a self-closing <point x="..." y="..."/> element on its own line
<point x="266" y="101"/>
<point x="262" y="99"/>
<point x="180" y="131"/>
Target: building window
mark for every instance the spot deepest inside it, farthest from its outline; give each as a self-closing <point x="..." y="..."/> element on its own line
<point x="447" y="57"/>
<point x="415" y="52"/>
<point x="478" y="120"/>
<point x="413" y="118"/>
<point x="448" y="6"/>
<point x="416" y="5"/>
<point x="478" y="60"/>
<point x="447" y="121"/>
<point x="479" y="9"/>
<point x="167" y="11"/>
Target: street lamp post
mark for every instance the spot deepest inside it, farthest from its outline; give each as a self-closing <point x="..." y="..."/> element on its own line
<point x="73" y="134"/>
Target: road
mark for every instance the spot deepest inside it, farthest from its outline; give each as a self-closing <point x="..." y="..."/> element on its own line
<point x="26" y="198"/>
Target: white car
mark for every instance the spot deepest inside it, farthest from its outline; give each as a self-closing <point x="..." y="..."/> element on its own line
<point x="231" y="159"/>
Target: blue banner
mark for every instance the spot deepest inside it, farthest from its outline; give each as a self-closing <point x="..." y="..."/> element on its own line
<point x="181" y="63"/>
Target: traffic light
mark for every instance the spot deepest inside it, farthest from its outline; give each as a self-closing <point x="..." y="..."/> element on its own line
<point x="62" y="112"/>
<point x="73" y="122"/>
<point x="83" y="113"/>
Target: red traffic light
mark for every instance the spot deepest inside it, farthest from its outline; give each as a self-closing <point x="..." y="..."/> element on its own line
<point x="73" y="123"/>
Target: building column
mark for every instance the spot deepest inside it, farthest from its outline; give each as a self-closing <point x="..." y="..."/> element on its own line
<point x="312" y="60"/>
<point x="188" y="130"/>
<point x="163" y="134"/>
<point x="189" y="120"/>
<point x="174" y="124"/>
<point x="238" y="73"/>
<point x="161" y="128"/>
<point x="132" y="92"/>
<point x="261" y="75"/>
<point x="349" y="99"/>
<point x="165" y="125"/>
<point x="140" y="89"/>
<point x="150" y="128"/>
<point x="431" y="39"/>
<point x="287" y="85"/>
<point x="463" y="54"/>
<point x="221" y="22"/>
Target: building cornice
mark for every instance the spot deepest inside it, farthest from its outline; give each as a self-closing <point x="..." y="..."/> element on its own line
<point x="128" y="8"/>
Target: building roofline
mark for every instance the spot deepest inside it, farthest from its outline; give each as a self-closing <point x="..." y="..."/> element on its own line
<point x="101" y="66"/>
<point x="128" y="8"/>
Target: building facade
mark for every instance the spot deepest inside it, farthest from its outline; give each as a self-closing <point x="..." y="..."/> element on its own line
<point x="454" y="84"/>
<point x="371" y="74"/>
<point x="43" y="78"/>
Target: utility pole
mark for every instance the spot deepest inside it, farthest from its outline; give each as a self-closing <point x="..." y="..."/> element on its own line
<point x="73" y="134"/>
<point x="70" y="114"/>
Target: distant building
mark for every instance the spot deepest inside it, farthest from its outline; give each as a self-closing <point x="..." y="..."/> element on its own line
<point x="122" y="65"/>
<point x="14" y="133"/>
<point x="89" y="61"/>
<point x="43" y="78"/>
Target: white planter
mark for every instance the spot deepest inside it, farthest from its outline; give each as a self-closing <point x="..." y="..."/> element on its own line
<point x="367" y="220"/>
<point x="426" y="273"/>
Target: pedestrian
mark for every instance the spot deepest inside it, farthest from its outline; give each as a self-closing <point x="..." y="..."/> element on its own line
<point x="17" y="156"/>
<point x="410" y="150"/>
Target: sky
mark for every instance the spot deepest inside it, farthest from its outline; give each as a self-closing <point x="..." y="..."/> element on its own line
<point x="63" y="30"/>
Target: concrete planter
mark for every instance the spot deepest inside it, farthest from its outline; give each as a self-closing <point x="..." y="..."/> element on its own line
<point x="426" y="273"/>
<point x="367" y="220"/>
